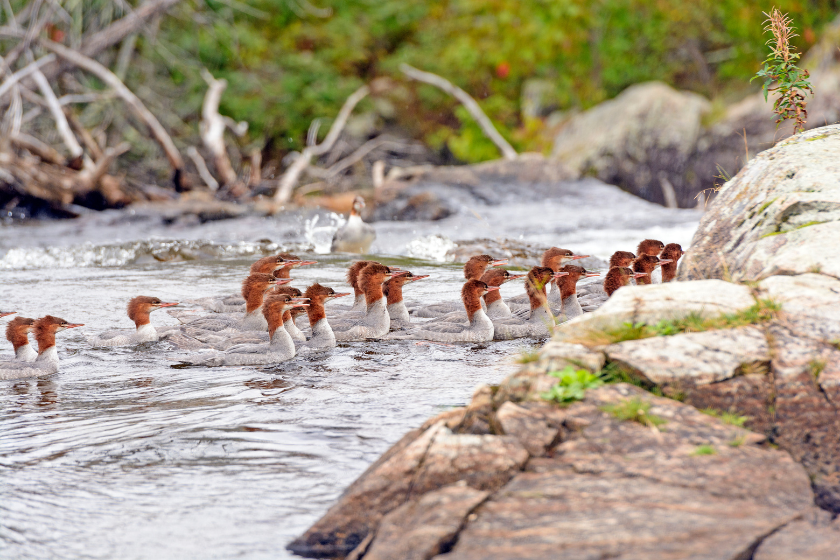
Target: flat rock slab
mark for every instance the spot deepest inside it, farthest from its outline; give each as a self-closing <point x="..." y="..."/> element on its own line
<point x="694" y="358"/>
<point x="780" y="215"/>
<point x="811" y="303"/>
<point x="816" y="538"/>
<point x="657" y="302"/>
<point x="422" y="528"/>
<point x="431" y="460"/>
<point x="620" y="489"/>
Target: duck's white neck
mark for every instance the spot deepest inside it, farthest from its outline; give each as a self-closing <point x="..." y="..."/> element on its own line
<point x="282" y="344"/>
<point x="146" y="333"/>
<point x="49" y="355"/>
<point x="322" y="335"/>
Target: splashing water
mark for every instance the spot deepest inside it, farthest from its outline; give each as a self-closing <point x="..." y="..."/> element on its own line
<point x="431" y="247"/>
<point x="321" y="236"/>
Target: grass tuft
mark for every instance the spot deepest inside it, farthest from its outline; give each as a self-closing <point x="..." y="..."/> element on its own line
<point x="528" y="355"/>
<point x="635" y="410"/>
<point x="572" y="385"/>
<point x="816" y="367"/>
<point x="704" y="450"/>
<point x="762" y="311"/>
<point x="727" y="417"/>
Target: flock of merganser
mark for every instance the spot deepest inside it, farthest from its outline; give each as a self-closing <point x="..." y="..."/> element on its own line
<point x="272" y="322"/>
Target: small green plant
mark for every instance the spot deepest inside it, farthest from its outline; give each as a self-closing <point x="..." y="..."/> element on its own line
<point x="780" y="67"/>
<point x="528" y="355"/>
<point x="704" y="450"/>
<point x="635" y="410"/>
<point x="737" y="442"/>
<point x="727" y="417"/>
<point x="816" y="367"/>
<point x="571" y="385"/>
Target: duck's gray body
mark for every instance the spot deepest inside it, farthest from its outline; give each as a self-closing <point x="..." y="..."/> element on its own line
<point x="353" y="237"/>
<point x="45" y="364"/>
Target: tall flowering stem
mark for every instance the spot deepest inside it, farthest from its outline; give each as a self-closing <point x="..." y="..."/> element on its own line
<point x="791" y="82"/>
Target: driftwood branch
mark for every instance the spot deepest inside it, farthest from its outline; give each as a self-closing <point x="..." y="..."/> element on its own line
<point x="201" y="167"/>
<point x="89" y="178"/>
<point x="292" y="174"/>
<point x="213" y="129"/>
<point x="255" y="176"/>
<point x="36" y="147"/>
<point x="469" y="104"/>
<point x="73" y="146"/>
<point x="12" y="80"/>
<point x="133" y="102"/>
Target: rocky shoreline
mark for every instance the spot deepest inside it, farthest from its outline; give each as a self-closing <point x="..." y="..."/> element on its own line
<point x="710" y="428"/>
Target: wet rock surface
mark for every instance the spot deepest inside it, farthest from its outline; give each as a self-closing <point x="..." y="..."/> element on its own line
<point x="574" y="482"/>
<point x="815" y="537"/>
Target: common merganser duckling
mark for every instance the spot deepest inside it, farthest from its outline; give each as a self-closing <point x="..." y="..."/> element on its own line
<point x="492" y="302"/>
<point x="253" y="290"/>
<point x="397" y="310"/>
<point x="375" y="322"/>
<point x="268" y="265"/>
<point x="647" y="264"/>
<point x="47" y="361"/>
<point x="288" y="317"/>
<point x="322" y="334"/>
<point x="540" y="318"/>
<point x="478" y="329"/>
<point x="138" y="310"/>
<point x="280" y="348"/>
<point x="650" y="247"/>
<point x="672" y="252"/>
<point x="17" y="332"/>
<point x="570" y="307"/>
<point x="553" y="258"/>
<point x="619" y="276"/>
<point x="355" y="236"/>
<point x="474" y="269"/>
<point x="622" y="259"/>
<point x="358" y="293"/>
<point x="292" y="261"/>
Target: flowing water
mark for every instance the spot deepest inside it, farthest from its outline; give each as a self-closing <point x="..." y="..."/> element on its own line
<point x="121" y="455"/>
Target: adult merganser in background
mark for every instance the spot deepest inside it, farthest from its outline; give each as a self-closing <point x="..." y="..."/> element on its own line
<point x="280" y="348"/>
<point x="138" y="310"/>
<point x="474" y="269"/>
<point x="355" y="236"/>
<point x="47" y="361"/>
<point x="375" y="322"/>
<point x="619" y="276"/>
<point x="647" y="264"/>
<point x="672" y="252"/>
<point x="253" y="290"/>
<point x="396" y="306"/>
<point x="322" y="334"/>
<point x="540" y="318"/>
<point x="17" y="332"/>
<point x="479" y="328"/>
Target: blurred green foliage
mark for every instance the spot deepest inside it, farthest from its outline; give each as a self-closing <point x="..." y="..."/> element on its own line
<point x="291" y="61"/>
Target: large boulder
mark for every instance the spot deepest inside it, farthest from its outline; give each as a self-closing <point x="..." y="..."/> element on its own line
<point x="779" y="216"/>
<point x="640" y="140"/>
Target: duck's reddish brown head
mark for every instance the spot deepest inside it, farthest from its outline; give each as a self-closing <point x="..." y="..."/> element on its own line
<point x="254" y="287"/>
<point x="353" y="276"/>
<point x="358" y="206"/>
<point x="497" y="277"/>
<point x="17" y="331"/>
<point x="393" y="287"/>
<point x="289" y="291"/>
<point x="138" y="308"/>
<point x="471" y="293"/>
<point x="371" y="279"/>
<point x="273" y="308"/>
<point x="475" y="266"/>
<point x="646" y="264"/>
<point x="622" y="259"/>
<point x="672" y="252"/>
<point x="267" y="265"/>
<point x="555" y="257"/>
<point x="535" y="283"/>
<point x="46" y="327"/>
<point x="568" y="283"/>
<point x="619" y="276"/>
<point x="650" y="247"/>
<point x="318" y="296"/>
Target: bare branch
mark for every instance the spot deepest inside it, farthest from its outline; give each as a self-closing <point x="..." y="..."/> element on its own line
<point x="212" y="128"/>
<point x="255" y="177"/>
<point x="38" y="148"/>
<point x="292" y="174"/>
<point x="469" y="104"/>
<point x="89" y="179"/>
<point x="61" y="123"/>
<point x="201" y="166"/>
<point x="24" y="72"/>
<point x="133" y="102"/>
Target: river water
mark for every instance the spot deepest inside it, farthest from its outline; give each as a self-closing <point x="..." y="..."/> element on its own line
<point x="122" y="456"/>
